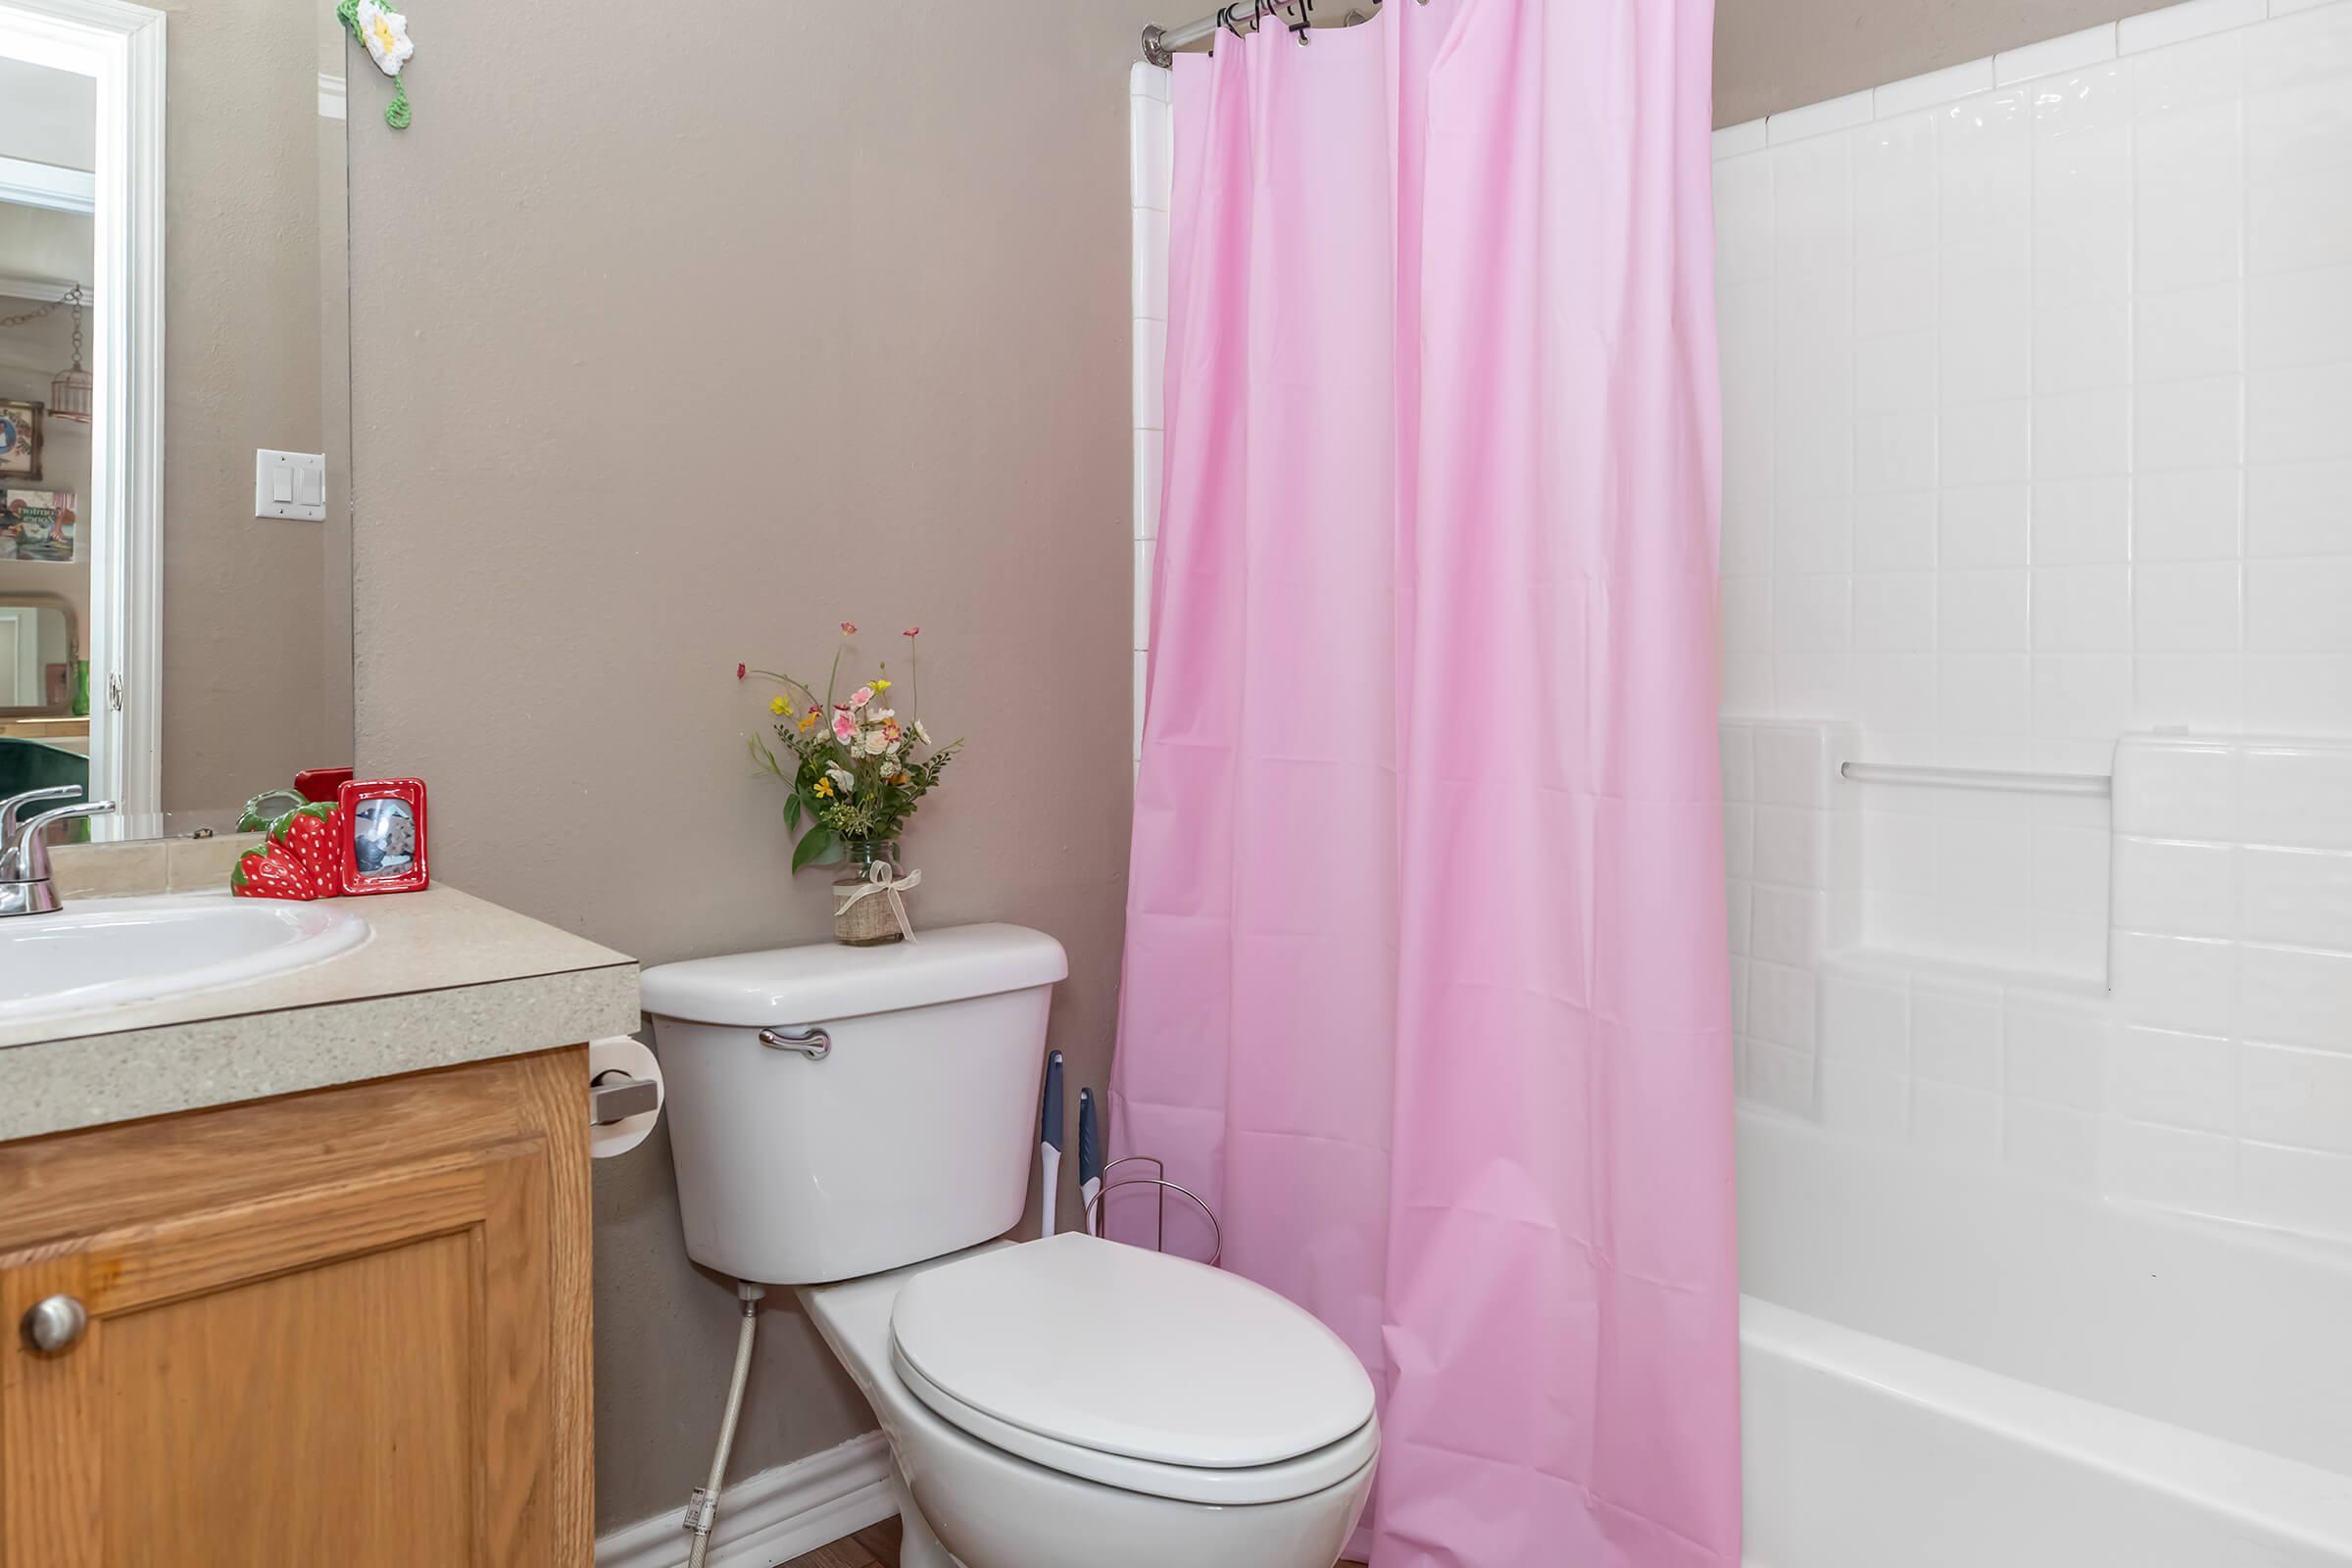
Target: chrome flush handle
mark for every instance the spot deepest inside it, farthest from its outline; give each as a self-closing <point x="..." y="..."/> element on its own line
<point x="814" y="1044"/>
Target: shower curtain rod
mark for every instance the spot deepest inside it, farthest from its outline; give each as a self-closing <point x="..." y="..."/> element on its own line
<point x="1241" y="17"/>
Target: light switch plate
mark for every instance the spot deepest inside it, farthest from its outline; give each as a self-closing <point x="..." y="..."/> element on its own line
<point x="290" y="484"/>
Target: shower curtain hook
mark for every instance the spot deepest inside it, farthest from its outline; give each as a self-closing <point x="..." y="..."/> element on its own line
<point x="1305" y="12"/>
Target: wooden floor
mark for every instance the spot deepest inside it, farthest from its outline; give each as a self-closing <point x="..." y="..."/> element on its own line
<point x="877" y="1547"/>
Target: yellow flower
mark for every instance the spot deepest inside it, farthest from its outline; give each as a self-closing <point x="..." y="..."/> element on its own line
<point x="779" y="706"/>
<point x="809" y="718"/>
<point x="881" y="685"/>
<point x="824" y="787"/>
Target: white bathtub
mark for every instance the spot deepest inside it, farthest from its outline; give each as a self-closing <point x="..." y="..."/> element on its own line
<point x="1946" y="1367"/>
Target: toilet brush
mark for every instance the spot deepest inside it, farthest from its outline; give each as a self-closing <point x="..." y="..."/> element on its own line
<point x="1049" y="1142"/>
<point x="1090" y="1165"/>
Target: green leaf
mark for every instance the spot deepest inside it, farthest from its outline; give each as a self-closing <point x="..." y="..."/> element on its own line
<point x="792" y="813"/>
<point x="813" y="843"/>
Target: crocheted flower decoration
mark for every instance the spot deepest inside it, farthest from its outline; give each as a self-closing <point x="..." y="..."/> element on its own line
<point x="385" y="32"/>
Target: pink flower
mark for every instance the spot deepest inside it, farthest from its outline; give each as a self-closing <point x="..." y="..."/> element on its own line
<point x="844" y="726"/>
<point x="848" y="628"/>
<point x="742" y="670"/>
<point x="862" y="696"/>
<point x="913" y="631"/>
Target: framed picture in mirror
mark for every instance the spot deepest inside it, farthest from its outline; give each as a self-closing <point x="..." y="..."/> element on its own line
<point x="383" y="835"/>
<point x="20" y="440"/>
<point x="39" y="526"/>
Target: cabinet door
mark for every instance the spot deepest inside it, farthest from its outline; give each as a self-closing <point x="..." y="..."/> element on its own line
<point x="351" y="1374"/>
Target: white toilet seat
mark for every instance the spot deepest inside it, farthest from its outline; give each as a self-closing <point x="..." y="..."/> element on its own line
<point x="1302" y="1477"/>
<point x="1135" y="1370"/>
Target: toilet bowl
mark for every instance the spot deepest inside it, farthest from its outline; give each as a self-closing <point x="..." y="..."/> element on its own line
<point x="997" y="1492"/>
<point x="858" y="1123"/>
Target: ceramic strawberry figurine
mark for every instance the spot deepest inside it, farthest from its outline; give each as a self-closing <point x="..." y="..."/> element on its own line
<point x="299" y="859"/>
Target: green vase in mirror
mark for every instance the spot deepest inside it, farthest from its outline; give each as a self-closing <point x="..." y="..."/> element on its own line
<point x="81" y="688"/>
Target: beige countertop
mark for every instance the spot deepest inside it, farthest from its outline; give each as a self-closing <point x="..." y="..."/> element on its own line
<point x="444" y="978"/>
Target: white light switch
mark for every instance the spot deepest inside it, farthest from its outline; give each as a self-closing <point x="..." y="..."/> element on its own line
<point x="290" y="484"/>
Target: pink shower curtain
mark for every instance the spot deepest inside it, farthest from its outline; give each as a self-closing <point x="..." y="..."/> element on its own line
<point x="1426" y="987"/>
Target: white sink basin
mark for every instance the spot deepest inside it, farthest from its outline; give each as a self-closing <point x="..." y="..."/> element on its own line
<point x="105" y="952"/>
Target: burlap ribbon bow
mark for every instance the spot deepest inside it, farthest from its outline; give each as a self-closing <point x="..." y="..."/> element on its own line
<point x="879" y="878"/>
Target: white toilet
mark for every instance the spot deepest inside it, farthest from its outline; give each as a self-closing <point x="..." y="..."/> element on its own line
<point x="859" y="1123"/>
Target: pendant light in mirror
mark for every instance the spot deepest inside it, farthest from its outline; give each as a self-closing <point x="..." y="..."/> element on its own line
<point x="70" y="390"/>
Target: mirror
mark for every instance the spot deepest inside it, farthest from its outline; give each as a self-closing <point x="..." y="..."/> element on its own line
<point x="174" y="410"/>
<point x="39" y="645"/>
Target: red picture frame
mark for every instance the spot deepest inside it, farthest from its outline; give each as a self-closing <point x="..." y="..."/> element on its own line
<point x="384" y="828"/>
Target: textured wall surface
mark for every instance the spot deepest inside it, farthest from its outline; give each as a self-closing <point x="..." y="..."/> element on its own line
<point x="676" y="344"/>
<point x="1771" y="55"/>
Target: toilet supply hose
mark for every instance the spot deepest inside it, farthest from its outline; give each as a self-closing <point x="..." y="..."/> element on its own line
<point x="701" y="1509"/>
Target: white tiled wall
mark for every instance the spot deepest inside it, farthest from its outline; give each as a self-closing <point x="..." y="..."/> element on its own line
<point x="1151" y="159"/>
<point x="2216" y="1076"/>
<point x="2234" y="973"/>
<point x="1790" y="858"/>
<point x="2037" y="386"/>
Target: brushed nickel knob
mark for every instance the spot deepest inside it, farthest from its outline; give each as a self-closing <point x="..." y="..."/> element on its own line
<point x="55" y="1324"/>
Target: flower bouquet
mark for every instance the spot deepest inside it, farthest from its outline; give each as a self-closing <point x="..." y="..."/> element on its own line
<point x="858" y="771"/>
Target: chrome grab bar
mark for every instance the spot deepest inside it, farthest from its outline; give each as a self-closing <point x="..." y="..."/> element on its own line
<point x="1977" y="778"/>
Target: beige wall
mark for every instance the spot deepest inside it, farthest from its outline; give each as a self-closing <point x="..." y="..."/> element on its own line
<point x="678" y="337"/>
<point x="1771" y="55"/>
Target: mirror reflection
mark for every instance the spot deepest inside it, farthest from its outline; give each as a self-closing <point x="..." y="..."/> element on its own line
<point x="174" y="531"/>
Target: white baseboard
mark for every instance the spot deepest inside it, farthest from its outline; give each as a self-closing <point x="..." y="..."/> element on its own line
<point x="772" y="1517"/>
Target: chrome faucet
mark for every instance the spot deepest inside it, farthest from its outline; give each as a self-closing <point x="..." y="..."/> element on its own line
<point x="26" y="885"/>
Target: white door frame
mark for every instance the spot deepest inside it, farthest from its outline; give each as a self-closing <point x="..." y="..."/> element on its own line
<point x="19" y="631"/>
<point x="121" y="46"/>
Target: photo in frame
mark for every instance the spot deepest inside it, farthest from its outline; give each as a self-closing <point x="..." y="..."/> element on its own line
<point x="20" y="440"/>
<point x="383" y="834"/>
<point x="40" y="525"/>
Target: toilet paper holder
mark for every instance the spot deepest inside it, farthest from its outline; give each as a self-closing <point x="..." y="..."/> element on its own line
<point x="613" y="1097"/>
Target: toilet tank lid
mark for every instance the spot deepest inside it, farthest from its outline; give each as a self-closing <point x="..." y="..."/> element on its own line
<point x="825" y="980"/>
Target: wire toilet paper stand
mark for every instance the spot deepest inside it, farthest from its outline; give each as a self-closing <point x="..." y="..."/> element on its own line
<point x="1159" y="1179"/>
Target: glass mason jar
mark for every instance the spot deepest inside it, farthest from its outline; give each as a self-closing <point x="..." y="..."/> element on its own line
<point x="871" y="921"/>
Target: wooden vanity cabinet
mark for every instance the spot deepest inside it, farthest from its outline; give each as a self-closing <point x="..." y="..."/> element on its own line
<point x="343" y="1329"/>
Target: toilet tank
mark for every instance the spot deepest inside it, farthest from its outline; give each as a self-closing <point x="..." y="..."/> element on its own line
<point x="912" y="1137"/>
